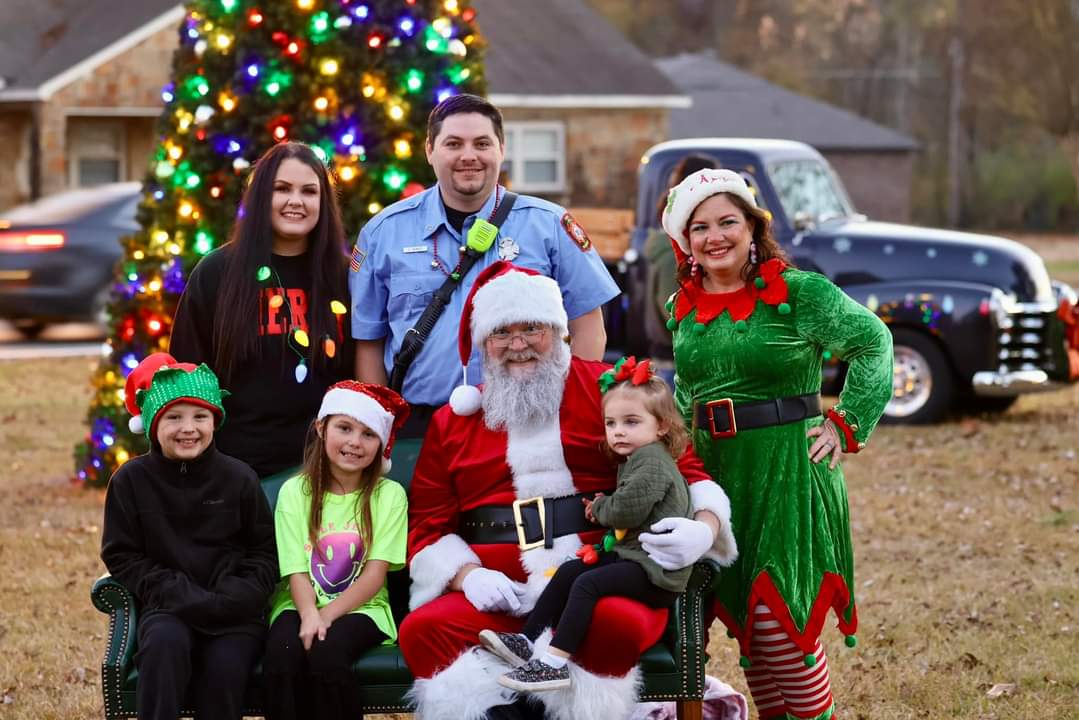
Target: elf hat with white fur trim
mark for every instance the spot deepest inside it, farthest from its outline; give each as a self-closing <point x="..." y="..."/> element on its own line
<point x="379" y="408"/>
<point x="684" y="198"/>
<point x="503" y="294"/>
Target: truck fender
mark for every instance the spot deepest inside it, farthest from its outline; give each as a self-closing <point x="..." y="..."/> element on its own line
<point x="954" y="314"/>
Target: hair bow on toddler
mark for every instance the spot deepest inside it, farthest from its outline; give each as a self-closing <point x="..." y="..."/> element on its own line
<point x="627" y="368"/>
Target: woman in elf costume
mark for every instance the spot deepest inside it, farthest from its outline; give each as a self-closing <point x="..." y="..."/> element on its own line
<point x="749" y="335"/>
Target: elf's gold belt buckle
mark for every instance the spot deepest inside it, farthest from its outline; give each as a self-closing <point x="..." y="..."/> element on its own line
<point x="518" y="520"/>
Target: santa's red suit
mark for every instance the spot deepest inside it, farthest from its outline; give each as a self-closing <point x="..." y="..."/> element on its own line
<point x="465" y="465"/>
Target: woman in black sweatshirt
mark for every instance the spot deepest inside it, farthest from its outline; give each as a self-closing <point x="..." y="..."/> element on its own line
<point x="268" y="311"/>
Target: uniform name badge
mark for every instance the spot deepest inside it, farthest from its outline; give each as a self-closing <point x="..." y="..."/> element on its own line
<point x="508" y="249"/>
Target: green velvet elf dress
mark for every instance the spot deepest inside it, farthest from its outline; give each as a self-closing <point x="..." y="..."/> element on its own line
<point x="789" y="515"/>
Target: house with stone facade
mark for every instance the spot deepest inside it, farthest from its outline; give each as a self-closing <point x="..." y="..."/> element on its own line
<point x="876" y="163"/>
<point x="80" y="84"/>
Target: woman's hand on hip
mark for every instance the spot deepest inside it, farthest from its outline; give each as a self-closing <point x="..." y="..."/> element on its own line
<point x="827" y="443"/>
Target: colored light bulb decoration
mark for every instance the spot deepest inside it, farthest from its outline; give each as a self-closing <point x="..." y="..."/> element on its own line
<point x="354" y="79"/>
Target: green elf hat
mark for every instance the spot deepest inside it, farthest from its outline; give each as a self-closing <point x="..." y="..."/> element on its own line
<point x="159" y="382"/>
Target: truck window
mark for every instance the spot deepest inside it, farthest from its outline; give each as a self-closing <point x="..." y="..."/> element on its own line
<point x="808" y="192"/>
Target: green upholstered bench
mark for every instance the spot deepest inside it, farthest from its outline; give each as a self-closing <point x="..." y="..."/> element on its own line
<point x="673" y="669"/>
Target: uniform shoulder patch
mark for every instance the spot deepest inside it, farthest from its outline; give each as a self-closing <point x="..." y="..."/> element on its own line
<point x="576" y="232"/>
<point x="358" y="256"/>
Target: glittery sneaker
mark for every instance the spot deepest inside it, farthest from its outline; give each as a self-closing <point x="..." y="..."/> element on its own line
<point x="536" y="676"/>
<point x="514" y="648"/>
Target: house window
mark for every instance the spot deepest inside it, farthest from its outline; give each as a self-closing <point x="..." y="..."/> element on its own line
<point x="96" y="147"/>
<point x="536" y="156"/>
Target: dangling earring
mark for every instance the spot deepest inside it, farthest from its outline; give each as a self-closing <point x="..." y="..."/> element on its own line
<point x="694" y="267"/>
<point x="752" y="253"/>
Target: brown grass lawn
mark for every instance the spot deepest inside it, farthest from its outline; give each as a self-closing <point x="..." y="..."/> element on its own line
<point x="966" y="534"/>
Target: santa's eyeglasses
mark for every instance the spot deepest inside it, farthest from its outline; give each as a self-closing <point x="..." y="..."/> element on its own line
<point x="531" y="334"/>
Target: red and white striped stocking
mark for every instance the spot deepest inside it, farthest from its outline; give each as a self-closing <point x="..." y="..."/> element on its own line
<point x="778" y="677"/>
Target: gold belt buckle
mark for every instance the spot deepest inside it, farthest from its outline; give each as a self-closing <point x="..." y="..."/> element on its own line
<point x="519" y="522"/>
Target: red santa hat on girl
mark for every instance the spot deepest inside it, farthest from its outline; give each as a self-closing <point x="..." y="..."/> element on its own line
<point x="379" y="408"/>
<point x="503" y="294"/>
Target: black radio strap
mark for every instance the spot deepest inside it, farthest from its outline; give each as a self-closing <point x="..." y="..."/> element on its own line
<point x="418" y="333"/>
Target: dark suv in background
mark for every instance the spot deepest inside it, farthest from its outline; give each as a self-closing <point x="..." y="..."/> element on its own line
<point x="57" y="255"/>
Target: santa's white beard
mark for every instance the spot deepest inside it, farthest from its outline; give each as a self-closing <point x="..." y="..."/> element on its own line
<point x="517" y="400"/>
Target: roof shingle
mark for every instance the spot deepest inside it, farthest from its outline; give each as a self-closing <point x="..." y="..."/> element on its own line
<point x="553" y="47"/>
<point x="730" y="102"/>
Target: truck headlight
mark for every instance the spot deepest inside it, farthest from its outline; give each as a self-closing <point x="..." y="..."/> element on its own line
<point x="1064" y="291"/>
<point x="1003" y="306"/>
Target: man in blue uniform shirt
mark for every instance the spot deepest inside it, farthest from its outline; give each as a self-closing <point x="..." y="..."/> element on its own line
<point x="406" y="252"/>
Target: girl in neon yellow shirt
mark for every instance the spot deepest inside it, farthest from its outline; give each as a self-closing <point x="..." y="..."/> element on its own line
<point x="340" y="527"/>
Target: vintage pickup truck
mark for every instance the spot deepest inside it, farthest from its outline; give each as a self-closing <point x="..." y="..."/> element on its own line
<point x="975" y="319"/>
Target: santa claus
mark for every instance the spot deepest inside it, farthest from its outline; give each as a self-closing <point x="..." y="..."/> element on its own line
<point x="495" y="506"/>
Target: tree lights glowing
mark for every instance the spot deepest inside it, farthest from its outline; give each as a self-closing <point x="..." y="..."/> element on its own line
<point x="354" y="79"/>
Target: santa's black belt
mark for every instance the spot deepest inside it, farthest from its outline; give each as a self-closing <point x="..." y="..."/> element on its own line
<point x="530" y="523"/>
<point x="724" y="419"/>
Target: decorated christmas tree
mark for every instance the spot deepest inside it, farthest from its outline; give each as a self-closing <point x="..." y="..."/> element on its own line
<point x="355" y="79"/>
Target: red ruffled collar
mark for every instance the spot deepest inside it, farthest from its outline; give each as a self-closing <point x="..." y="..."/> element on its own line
<point x="769" y="286"/>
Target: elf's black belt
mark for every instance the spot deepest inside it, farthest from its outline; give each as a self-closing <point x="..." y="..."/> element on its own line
<point x="530" y="523"/>
<point x="724" y="419"/>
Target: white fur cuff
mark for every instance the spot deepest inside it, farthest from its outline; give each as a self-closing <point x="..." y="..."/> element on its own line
<point x="517" y="297"/>
<point x="435" y="566"/>
<point x="708" y="495"/>
<point x="465" y="690"/>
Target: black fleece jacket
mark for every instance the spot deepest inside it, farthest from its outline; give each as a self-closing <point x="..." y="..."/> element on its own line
<point x="194" y="539"/>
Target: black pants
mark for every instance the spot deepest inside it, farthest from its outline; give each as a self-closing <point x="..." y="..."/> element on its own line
<point x="315" y="683"/>
<point x="572" y="594"/>
<point x="172" y="656"/>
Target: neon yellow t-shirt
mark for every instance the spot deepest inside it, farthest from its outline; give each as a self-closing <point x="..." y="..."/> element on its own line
<point x="342" y="555"/>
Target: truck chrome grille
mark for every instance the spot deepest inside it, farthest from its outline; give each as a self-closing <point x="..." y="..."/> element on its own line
<point x="1023" y="342"/>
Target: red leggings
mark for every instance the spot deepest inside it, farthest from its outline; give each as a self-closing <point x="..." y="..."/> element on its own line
<point x="432" y="636"/>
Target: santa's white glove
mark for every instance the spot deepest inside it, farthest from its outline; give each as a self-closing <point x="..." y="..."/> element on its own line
<point x="491" y="591"/>
<point x="682" y="542"/>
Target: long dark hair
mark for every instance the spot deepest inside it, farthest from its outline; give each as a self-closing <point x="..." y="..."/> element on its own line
<point x="250" y="247"/>
<point x="318" y="480"/>
<point x="767" y="245"/>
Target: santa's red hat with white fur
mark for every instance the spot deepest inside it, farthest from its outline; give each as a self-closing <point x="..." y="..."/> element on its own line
<point x="503" y="294"/>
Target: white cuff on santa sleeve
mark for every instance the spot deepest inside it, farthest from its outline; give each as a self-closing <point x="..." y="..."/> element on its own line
<point x="708" y="495"/>
<point x="433" y="568"/>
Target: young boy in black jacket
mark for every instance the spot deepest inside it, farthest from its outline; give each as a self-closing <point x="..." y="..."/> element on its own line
<point x="189" y="532"/>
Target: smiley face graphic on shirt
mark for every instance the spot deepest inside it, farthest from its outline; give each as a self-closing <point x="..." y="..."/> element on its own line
<point x="337" y="561"/>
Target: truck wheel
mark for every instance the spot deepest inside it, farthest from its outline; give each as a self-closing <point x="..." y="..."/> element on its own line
<point x="923" y="387"/>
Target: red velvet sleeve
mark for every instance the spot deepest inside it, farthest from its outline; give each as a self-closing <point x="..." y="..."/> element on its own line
<point x="692" y="467"/>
